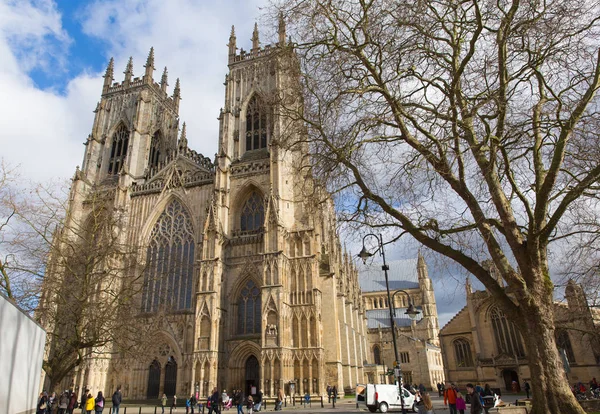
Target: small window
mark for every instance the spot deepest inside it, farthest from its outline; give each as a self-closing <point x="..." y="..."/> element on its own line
<point x="253" y="213"/>
<point x="154" y="157"/>
<point x="462" y="351"/>
<point x="377" y="355"/>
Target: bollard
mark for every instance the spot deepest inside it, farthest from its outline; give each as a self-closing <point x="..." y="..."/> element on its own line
<point x="125" y="410"/>
<point x="285" y="402"/>
<point x="140" y="412"/>
<point x="322" y="406"/>
<point x="155" y="410"/>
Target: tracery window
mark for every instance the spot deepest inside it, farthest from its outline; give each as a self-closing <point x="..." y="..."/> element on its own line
<point x="170" y="261"/>
<point x="462" y="351"/>
<point x="508" y="339"/>
<point x="563" y="342"/>
<point x="154" y="156"/>
<point x="377" y="355"/>
<point x="253" y="213"/>
<point x="256" y="125"/>
<point x="118" y="150"/>
<point x="249" y="310"/>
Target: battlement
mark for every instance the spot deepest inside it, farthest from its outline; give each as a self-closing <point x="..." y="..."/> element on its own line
<point x="256" y="52"/>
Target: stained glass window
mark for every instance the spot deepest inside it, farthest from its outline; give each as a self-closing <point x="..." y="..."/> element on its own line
<point x="563" y="342"/>
<point x="508" y="340"/>
<point x="253" y="213"/>
<point x="256" y="125"/>
<point x="462" y="351"/>
<point x="170" y="261"/>
<point x="118" y="150"/>
<point x="249" y="309"/>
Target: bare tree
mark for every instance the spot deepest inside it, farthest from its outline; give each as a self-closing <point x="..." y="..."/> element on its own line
<point x="470" y="125"/>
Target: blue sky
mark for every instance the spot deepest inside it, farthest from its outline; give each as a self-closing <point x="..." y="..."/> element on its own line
<point x="52" y="58"/>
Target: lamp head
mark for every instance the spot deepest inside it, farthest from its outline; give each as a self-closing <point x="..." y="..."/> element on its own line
<point x="364" y="255"/>
<point x="412" y="312"/>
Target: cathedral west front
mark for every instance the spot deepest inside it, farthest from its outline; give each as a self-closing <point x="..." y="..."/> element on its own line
<point x="258" y="290"/>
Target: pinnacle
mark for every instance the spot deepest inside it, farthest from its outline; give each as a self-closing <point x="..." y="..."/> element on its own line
<point x="110" y="68"/>
<point x="232" y="31"/>
<point x="255" y="40"/>
<point x="129" y="67"/>
<point x="150" y="60"/>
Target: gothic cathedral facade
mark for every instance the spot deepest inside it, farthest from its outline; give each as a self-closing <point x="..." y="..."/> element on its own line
<point x="259" y="289"/>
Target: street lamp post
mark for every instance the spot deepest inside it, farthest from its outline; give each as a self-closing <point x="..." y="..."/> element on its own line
<point x="364" y="255"/>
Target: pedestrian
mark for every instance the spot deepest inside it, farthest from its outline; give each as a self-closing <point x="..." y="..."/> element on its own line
<point x="51" y="402"/>
<point x="193" y="402"/>
<point x="72" y="403"/>
<point x="279" y="402"/>
<point x="450" y="397"/>
<point x="213" y="400"/>
<point x="163" y="403"/>
<point x="90" y="404"/>
<point x="174" y="406"/>
<point x="334" y="394"/>
<point x="527" y="388"/>
<point x="42" y="405"/>
<point x="476" y="407"/>
<point x="250" y="404"/>
<point x="240" y="402"/>
<point x="328" y="393"/>
<point x="427" y="403"/>
<point x="306" y="399"/>
<point x="63" y="402"/>
<point x="461" y="404"/>
<point x="258" y="401"/>
<point x="187" y="406"/>
<point x="226" y="400"/>
<point x="99" y="403"/>
<point x="422" y="389"/>
<point x="487" y="391"/>
<point x="84" y="401"/>
<point x="117" y="397"/>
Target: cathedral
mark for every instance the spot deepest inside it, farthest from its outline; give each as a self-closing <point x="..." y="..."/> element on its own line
<point x="259" y="291"/>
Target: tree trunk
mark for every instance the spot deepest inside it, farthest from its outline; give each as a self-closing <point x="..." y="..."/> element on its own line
<point x="549" y="385"/>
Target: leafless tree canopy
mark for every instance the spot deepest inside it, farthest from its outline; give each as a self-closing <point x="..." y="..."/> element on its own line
<point x="471" y="125"/>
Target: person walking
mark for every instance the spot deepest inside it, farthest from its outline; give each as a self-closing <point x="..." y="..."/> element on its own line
<point x="193" y="402"/>
<point x="174" y="406"/>
<point x="258" y="401"/>
<point x="99" y="406"/>
<point x="72" y="403"/>
<point x="334" y="394"/>
<point x="84" y="396"/>
<point x="90" y="404"/>
<point x="279" y="402"/>
<point x="476" y="407"/>
<point x="450" y="397"/>
<point x="117" y="397"/>
<point x="461" y="404"/>
<point x="63" y="402"/>
<point x="328" y="393"/>
<point x="240" y="402"/>
<point x="42" y="405"/>
<point x="527" y="388"/>
<point x="163" y="403"/>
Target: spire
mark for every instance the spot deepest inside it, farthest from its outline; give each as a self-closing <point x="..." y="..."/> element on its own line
<point x="255" y="38"/>
<point x="149" y="66"/>
<point x="281" y="29"/>
<point x="128" y="71"/>
<point x="183" y="143"/>
<point x="177" y="94"/>
<point x="163" y="80"/>
<point x="232" y="46"/>
<point x="108" y="75"/>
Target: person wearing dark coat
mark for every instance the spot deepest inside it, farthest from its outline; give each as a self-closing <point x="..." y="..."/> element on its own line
<point x="476" y="407"/>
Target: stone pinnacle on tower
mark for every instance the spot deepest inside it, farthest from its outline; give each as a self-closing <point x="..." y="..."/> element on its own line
<point x="183" y="142"/>
<point x="128" y="71"/>
<point x="281" y="29"/>
<point x="177" y="94"/>
<point x="255" y="41"/>
<point x="232" y="45"/>
<point x="108" y="75"/>
<point x="149" y="66"/>
<point x="164" y="80"/>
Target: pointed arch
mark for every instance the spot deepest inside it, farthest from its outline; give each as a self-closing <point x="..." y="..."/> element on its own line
<point x="462" y="353"/>
<point x="249" y="311"/>
<point x="168" y="279"/>
<point x="154" y="156"/>
<point x="257" y="124"/>
<point x="507" y="337"/>
<point x="118" y="148"/>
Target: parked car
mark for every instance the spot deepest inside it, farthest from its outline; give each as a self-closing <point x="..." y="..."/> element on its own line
<point x="384" y="397"/>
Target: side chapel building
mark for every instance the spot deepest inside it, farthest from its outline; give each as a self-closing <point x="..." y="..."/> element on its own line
<point x="264" y="295"/>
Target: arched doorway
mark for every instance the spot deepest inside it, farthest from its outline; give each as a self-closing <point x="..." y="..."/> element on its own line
<point x="170" y="377"/>
<point x="509" y="376"/>
<point x="153" y="380"/>
<point x="252" y="374"/>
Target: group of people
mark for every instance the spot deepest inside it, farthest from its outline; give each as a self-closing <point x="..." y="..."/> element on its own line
<point x="456" y="401"/>
<point x="216" y="402"/>
<point x="68" y="401"/>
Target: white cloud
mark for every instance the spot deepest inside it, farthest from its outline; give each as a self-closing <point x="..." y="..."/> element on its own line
<point x="43" y="130"/>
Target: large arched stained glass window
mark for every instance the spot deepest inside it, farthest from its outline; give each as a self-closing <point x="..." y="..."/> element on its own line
<point x="253" y="213"/>
<point x="563" y="343"/>
<point x="508" y="340"/>
<point x="170" y="262"/>
<point x="256" y="125"/>
<point x="249" y="310"/>
<point x="118" y="150"/>
<point x="462" y="351"/>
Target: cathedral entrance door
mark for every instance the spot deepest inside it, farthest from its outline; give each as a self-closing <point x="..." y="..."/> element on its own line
<point x="153" y="380"/>
<point x="170" y="377"/>
<point x="252" y="374"/>
<point x="510" y="376"/>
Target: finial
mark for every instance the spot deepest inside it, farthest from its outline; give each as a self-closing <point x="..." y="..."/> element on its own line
<point x="108" y="75"/>
<point x="149" y="66"/>
<point x="163" y="80"/>
<point x="177" y="90"/>
<point x="183" y="143"/>
<point x="232" y="35"/>
<point x="129" y="70"/>
<point x="281" y="30"/>
<point x="255" y="37"/>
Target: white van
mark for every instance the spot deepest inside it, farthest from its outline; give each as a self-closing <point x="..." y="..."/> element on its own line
<point x="384" y="397"/>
